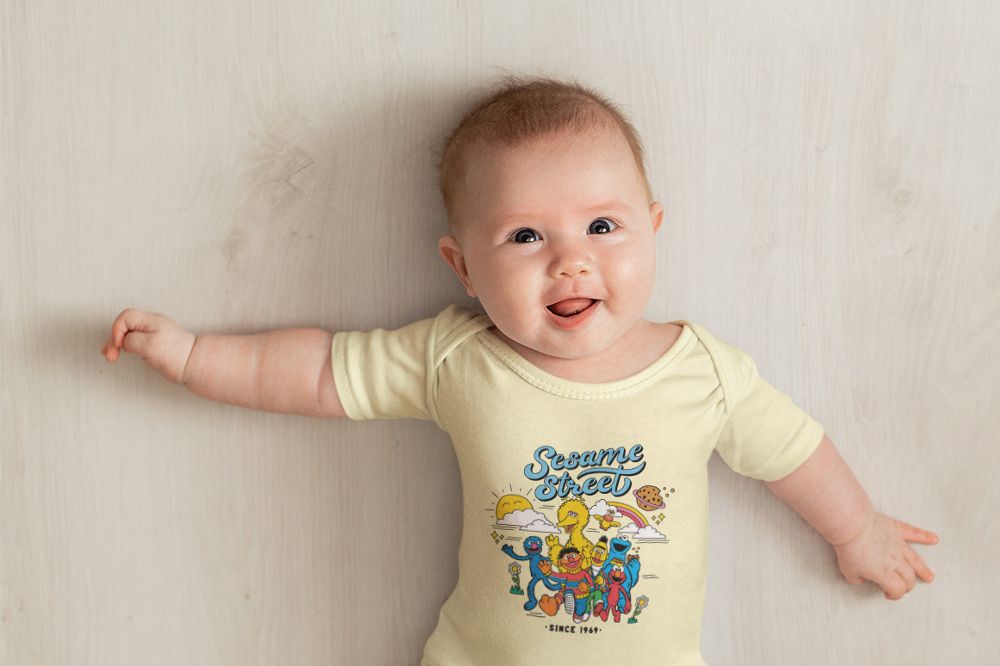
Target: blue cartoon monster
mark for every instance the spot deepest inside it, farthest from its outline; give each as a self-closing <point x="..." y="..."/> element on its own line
<point x="533" y="548"/>
<point x="619" y="575"/>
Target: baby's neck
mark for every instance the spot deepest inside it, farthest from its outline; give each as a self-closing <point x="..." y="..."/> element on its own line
<point x="627" y="356"/>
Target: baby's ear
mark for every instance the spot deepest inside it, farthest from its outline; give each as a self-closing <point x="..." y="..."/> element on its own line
<point x="656" y="215"/>
<point x="451" y="252"/>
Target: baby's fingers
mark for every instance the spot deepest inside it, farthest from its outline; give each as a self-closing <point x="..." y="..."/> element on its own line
<point x="109" y="351"/>
<point x="905" y="571"/>
<point x="128" y="320"/>
<point x="918" y="564"/>
<point x="894" y="585"/>
<point x="915" y="534"/>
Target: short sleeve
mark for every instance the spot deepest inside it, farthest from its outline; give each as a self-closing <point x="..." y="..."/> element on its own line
<point x="766" y="436"/>
<point x="386" y="374"/>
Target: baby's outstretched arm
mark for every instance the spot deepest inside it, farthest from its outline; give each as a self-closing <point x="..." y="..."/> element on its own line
<point x="286" y="371"/>
<point x="868" y="544"/>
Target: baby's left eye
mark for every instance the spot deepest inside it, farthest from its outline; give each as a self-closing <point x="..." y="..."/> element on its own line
<point x="602" y="222"/>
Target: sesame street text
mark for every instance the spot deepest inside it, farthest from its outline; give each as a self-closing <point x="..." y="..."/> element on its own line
<point x="597" y="466"/>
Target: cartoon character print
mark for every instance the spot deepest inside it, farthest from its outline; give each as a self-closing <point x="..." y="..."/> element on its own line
<point x="619" y="573"/>
<point x="598" y="557"/>
<point x="539" y="567"/>
<point x="590" y="576"/>
<point x="577" y="581"/>
<point x="573" y="516"/>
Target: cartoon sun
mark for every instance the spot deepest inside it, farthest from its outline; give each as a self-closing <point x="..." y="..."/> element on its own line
<point x="510" y="503"/>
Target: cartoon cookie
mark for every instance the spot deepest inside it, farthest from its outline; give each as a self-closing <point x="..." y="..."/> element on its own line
<point x="648" y="497"/>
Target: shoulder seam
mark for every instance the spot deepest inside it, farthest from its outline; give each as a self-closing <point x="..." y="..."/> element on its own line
<point x="440" y="345"/>
<point x="721" y="370"/>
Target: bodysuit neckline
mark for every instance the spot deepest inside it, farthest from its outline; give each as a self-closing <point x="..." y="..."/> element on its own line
<point x="586" y="390"/>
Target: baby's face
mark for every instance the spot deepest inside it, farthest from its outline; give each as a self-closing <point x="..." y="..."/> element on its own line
<point x="561" y="216"/>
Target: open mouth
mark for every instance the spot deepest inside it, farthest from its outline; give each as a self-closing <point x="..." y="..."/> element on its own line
<point x="576" y="310"/>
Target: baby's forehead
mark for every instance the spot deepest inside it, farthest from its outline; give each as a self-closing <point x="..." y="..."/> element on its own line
<point x="598" y="137"/>
<point x="502" y="175"/>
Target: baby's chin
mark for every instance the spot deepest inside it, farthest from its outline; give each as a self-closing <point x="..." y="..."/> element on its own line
<point x="557" y="344"/>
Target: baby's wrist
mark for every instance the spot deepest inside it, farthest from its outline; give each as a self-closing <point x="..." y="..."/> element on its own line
<point x="864" y="523"/>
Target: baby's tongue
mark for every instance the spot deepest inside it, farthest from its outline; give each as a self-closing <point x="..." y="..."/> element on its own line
<point x="570" y="305"/>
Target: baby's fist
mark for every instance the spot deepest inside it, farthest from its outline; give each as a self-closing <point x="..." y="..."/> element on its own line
<point x="163" y="344"/>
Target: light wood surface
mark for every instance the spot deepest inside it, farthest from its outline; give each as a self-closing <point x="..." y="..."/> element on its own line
<point x="831" y="178"/>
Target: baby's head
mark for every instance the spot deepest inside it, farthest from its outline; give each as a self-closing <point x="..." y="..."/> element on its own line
<point x="547" y="199"/>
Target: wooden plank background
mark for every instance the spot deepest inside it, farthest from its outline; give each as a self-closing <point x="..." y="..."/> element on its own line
<point x="831" y="179"/>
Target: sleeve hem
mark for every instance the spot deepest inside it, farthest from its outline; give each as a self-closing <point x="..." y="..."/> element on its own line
<point x="789" y="459"/>
<point x="341" y="380"/>
<point x="432" y="374"/>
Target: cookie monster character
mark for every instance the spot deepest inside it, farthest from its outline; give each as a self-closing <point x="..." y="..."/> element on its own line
<point x="619" y="573"/>
<point x="533" y="550"/>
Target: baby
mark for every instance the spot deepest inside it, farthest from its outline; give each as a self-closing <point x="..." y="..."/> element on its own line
<point x="582" y="430"/>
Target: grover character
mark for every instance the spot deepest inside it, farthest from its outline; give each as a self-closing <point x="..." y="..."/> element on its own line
<point x="533" y="548"/>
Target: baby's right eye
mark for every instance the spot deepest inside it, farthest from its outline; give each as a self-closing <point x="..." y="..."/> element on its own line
<point x="520" y="234"/>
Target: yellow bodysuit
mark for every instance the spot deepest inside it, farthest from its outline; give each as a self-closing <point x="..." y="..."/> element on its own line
<point x="586" y="505"/>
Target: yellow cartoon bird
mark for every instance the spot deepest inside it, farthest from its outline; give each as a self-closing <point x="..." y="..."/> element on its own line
<point x="607" y="521"/>
<point x="573" y="516"/>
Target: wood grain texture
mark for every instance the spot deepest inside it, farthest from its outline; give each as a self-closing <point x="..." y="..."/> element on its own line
<point x="831" y="179"/>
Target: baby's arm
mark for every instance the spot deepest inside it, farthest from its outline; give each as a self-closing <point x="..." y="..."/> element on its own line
<point x="868" y="545"/>
<point x="286" y="371"/>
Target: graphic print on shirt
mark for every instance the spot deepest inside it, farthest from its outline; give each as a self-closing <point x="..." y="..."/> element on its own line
<point x="578" y="533"/>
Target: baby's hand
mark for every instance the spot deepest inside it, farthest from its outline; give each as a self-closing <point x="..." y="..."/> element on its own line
<point x="880" y="554"/>
<point x="160" y="342"/>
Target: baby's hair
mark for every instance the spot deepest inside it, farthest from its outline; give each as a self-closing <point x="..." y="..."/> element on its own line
<point x="518" y="109"/>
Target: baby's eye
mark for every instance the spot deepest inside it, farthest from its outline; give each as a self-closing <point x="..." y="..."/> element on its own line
<point x="520" y="234"/>
<point x="603" y="226"/>
<point x="602" y="222"/>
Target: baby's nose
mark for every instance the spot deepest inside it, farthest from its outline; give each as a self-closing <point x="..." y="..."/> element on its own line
<point x="571" y="258"/>
<point x="573" y="266"/>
